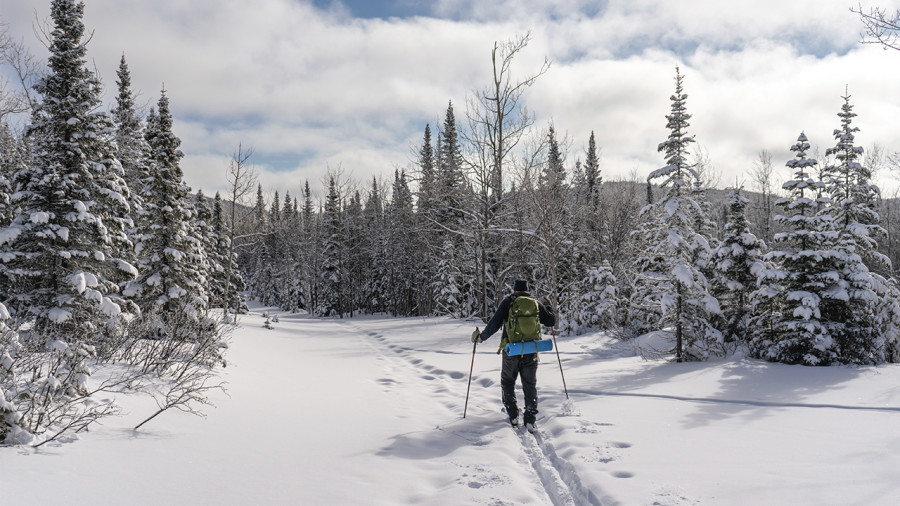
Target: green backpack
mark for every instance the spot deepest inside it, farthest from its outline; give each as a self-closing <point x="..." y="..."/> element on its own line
<point x="522" y="324"/>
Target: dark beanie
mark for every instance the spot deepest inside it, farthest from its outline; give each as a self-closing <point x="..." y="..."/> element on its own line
<point x="520" y="285"/>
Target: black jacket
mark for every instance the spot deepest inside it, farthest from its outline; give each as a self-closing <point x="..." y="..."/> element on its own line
<point x="498" y="321"/>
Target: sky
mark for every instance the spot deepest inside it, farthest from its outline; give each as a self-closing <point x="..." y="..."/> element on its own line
<point x="319" y="85"/>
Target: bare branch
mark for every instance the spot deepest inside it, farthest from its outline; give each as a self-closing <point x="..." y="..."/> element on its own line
<point x="881" y="26"/>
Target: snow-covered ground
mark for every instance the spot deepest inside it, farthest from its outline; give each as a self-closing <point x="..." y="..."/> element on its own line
<point x="368" y="411"/>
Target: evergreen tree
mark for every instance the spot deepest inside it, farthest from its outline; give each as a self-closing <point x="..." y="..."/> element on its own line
<point x="736" y="261"/>
<point x="427" y="188"/>
<point x="592" y="176"/>
<point x="451" y="179"/>
<point x="310" y="252"/>
<point x="376" y="288"/>
<point x="330" y="273"/>
<point x="212" y="266"/>
<point x="12" y="160"/>
<point x="63" y="251"/>
<point x="230" y="290"/>
<point x="681" y="287"/>
<point x="600" y="302"/>
<point x="399" y="218"/>
<point x="133" y="150"/>
<point x="170" y="254"/>
<point x="448" y="296"/>
<point x="854" y="324"/>
<point x="789" y="321"/>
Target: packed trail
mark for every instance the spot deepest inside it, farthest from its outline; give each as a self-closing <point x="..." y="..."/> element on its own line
<point x="369" y="410"/>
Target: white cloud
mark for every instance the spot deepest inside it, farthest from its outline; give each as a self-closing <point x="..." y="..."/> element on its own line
<point x="314" y="89"/>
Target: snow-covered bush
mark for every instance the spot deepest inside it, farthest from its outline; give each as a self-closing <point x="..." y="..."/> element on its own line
<point x="601" y="302"/>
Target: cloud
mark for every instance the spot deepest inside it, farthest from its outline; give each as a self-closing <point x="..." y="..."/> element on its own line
<point x="314" y="88"/>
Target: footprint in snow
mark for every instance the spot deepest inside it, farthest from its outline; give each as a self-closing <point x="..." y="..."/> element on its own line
<point x="478" y="476"/>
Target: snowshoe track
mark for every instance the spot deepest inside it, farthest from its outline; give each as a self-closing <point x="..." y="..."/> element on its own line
<point x="557" y="476"/>
<point x="435" y="377"/>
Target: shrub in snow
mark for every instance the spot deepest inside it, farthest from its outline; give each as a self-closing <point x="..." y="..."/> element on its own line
<point x="600" y="302"/>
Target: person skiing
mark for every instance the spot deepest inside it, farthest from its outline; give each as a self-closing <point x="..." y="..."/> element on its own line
<point x="516" y="317"/>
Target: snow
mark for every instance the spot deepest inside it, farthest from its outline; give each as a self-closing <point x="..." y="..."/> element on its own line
<point x="369" y="411"/>
<point x="110" y="308"/>
<point x="40" y="217"/>
<point x="9" y="234"/>
<point x="58" y="315"/>
<point x="127" y="268"/>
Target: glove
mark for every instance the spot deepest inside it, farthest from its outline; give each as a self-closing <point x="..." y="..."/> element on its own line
<point x="476" y="336"/>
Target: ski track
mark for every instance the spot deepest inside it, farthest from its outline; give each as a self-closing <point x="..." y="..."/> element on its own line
<point x="557" y="476"/>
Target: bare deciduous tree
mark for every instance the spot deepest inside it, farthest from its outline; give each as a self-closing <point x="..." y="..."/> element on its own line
<point x="882" y="26"/>
<point x="19" y="98"/>
<point x="762" y="173"/>
<point x="242" y="180"/>
<point x="497" y="121"/>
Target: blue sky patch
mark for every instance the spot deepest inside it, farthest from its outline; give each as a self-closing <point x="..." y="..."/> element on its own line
<point x="372" y="9"/>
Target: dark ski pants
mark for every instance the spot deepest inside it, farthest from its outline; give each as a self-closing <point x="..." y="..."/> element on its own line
<point x="526" y="367"/>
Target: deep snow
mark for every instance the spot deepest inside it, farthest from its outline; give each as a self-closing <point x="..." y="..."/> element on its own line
<point x="368" y="411"/>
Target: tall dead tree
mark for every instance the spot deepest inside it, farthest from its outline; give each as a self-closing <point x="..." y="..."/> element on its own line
<point x="242" y="180"/>
<point x="497" y="121"/>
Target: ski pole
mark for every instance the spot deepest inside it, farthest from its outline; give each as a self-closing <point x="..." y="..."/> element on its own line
<point x="553" y="333"/>
<point x="472" y="366"/>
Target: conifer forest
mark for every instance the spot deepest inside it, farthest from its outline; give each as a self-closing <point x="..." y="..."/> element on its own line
<point x="109" y="260"/>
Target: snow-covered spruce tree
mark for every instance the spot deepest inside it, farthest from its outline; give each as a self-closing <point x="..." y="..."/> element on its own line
<point x="332" y="247"/>
<point x="231" y="287"/>
<point x="213" y="265"/>
<point x="310" y="251"/>
<point x="291" y="290"/>
<point x="789" y="322"/>
<point x="11" y="430"/>
<point x="63" y="251"/>
<point x="737" y="261"/>
<point x="376" y="285"/>
<point x="592" y="177"/>
<point x="855" y="326"/>
<point x="133" y="150"/>
<point x="257" y="262"/>
<point x="358" y="267"/>
<point x="649" y="269"/>
<point x="682" y="288"/>
<point x="447" y="218"/>
<point x="448" y="299"/>
<point x="554" y="232"/>
<point x="401" y="249"/>
<point x="171" y="280"/>
<point x="600" y="302"/>
<point x="12" y="160"/>
<point x="428" y="232"/>
<point x="587" y="206"/>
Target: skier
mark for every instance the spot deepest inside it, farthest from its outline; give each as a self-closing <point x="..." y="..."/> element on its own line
<point x="524" y="365"/>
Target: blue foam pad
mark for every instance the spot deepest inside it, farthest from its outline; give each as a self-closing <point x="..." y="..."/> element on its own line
<point x="529" y="347"/>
